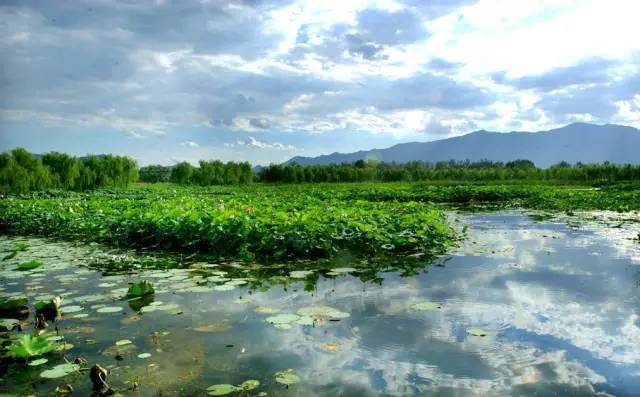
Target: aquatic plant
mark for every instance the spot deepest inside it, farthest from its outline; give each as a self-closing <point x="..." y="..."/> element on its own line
<point x="30" y="265"/>
<point x="13" y="305"/>
<point x="60" y="370"/>
<point x="139" y="289"/>
<point x="287" y="377"/>
<point x="283" y="223"/>
<point x="225" y="388"/>
<point x="29" y="346"/>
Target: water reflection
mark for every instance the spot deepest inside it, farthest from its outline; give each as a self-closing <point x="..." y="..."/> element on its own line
<point x="560" y="306"/>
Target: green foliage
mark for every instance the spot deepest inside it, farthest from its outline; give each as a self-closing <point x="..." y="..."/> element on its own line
<point x="182" y="173"/>
<point x="154" y="174"/>
<point x="210" y="173"/>
<point x="21" y="247"/>
<point x="22" y="172"/>
<point x="13" y="303"/>
<point x="142" y="288"/>
<point x="30" y="265"/>
<point x="243" y="222"/>
<point x="287" y="221"/>
<point x="32" y="346"/>
<point x="45" y="306"/>
<point x="518" y="170"/>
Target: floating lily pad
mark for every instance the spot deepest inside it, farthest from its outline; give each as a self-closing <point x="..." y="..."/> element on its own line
<point x="221" y="390"/>
<point x="476" y="332"/>
<point x="322" y="312"/>
<point x="80" y="315"/>
<point x="13" y="303"/>
<point x="236" y="282"/>
<point x="343" y="270"/>
<point x="90" y="298"/>
<point x="426" y="306"/>
<point x="71" y="309"/>
<point x="287" y="377"/>
<point x="266" y="310"/>
<point x="300" y="273"/>
<point x="109" y="309"/>
<point x="123" y="342"/>
<point x="285" y="318"/>
<point x="30" y="265"/>
<point x="144" y="355"/>
<point x="249" y="384"/>
<point x="305" y="320"/>
<point x="38" y="361"/>
<point x="60" y="371"/>
<point x="224" y="287"/>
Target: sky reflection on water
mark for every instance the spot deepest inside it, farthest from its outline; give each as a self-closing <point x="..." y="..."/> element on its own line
<point x="560" y="306"/>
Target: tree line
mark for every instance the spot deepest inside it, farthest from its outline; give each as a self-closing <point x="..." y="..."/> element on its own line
<point x="361" y="171"/>
<point x="208" y="173"/>
<point x="21" y="171"/>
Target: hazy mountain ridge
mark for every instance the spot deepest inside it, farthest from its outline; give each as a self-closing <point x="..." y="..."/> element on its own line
<point x="578" y="142"/>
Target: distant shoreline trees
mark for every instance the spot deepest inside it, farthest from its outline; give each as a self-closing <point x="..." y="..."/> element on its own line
<point x="208" y="173"/>
<point x="462" y="171"/>
<point x="21" y="172"/>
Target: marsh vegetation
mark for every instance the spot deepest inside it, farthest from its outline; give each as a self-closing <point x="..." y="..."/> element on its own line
<point x="324" y="289"/>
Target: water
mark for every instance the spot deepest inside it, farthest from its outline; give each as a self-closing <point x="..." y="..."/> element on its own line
<point x="559" y="304"/>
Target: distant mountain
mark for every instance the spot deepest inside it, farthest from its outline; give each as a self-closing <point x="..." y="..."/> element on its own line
<point x="587" y="143"/>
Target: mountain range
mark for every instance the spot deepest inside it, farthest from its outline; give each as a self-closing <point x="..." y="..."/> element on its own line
<point x="577" y="142"/>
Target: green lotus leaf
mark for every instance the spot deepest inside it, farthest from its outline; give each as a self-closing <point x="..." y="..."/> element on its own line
<point x="221" y="390"/>
<point x="30" y="265"/>
<point x="60" y="371"/>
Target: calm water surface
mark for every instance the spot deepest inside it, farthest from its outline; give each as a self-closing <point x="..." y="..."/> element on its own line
<point x="560" y="306"/>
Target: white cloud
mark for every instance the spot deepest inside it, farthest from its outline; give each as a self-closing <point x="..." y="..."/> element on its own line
<point x="322" y="67"/>
<point x="190" y="144"/>
<point x="253" y="143"/>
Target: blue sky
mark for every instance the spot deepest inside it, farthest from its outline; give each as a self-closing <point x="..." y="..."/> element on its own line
<point x="262" y="81"/>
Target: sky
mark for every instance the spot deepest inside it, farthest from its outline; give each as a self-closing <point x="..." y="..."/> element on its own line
<point x="263" y="81"/>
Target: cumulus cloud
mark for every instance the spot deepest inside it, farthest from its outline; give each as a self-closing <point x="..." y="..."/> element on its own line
<point x="591" y="71"/>
<point x="309" y="67"/>
<point x="253" y="143"/>
<point x="436" y="127"/>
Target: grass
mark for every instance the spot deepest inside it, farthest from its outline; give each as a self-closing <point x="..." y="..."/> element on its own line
<point x="286" y="221"/>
